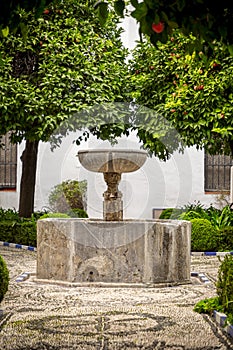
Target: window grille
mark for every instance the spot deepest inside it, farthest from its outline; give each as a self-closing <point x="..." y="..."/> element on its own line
<point x="217" y="172"/>
<point x="8" y="163"/>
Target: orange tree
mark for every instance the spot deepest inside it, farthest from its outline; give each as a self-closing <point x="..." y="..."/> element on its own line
<point x="66" y="62"/>
<point x="206" y="19"/>
<point x="193" y="92"/>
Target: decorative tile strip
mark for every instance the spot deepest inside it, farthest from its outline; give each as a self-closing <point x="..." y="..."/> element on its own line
<point x="18" y="246"/>
<point x="220" y="318"/>
<point x="24" y="276"/>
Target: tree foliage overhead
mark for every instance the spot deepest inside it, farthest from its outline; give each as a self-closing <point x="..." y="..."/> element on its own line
<point x="194" y="92"/>
<point x="206" y="19"/>
<point x="63" y="62"/>
<point x="9" y="13"/>
<point x="66" y="62"/>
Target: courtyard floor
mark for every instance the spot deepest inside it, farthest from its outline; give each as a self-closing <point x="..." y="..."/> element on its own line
<point x="49" y="316"/>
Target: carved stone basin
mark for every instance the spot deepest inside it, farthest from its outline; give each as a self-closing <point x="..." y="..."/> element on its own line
<point x="112" y="161"/>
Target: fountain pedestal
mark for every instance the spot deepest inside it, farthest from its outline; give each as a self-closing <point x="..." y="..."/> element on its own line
<point x="113" y="204"/>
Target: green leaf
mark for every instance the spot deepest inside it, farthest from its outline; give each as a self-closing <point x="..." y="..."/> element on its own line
<point x="102" y="11"/>
<point x="230" y="49"/>
<point x="172" y="24"/>
<point x="119" y="7"/>
<point x="140" y="12"/>
<point x="181" y="4"/>
<point x="5" y="31"/>
<point x="134" y="3"/>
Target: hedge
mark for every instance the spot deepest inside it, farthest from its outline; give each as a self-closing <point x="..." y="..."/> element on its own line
<point x="18" y="232"/>
<point x="4" y="278"/>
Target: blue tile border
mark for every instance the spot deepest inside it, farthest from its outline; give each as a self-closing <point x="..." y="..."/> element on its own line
<point x="18" y="246"/>
<point x="23" y="277"/>
<point x="201" y="277"/>
<point x="211" y="253"/>
<point x="220" y="319"/>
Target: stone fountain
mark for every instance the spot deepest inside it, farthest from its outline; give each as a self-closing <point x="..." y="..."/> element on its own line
<point x="112" y="163"/>
<point x="113" y="251"/>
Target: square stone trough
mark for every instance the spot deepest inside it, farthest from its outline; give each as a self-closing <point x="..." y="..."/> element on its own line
<point x="94" y="251"/>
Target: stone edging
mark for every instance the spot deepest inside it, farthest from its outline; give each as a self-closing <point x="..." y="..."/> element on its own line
<point x="220" y="319"/>
<point x="19" y="246"/>
<point x="23" y="277"/>
<point x="201" y="277"/>
<point x="211" y="253"/>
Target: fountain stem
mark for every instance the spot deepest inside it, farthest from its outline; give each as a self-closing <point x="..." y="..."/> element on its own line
<point x="113" y="204"/>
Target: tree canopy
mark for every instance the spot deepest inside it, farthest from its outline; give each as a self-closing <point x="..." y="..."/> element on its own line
<point x="193" y="92"/>
<point x="207" y="20"/>
<point x="65" y="62"/>
<point x="9" y="13"/>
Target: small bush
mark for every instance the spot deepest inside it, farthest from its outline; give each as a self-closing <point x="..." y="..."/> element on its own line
<point x="4" y="278"/>
<point x="171" y="213"/>
<point x="225" y="241"/>
<point x="18" y="232"/>
<point x="68" y="195"/>
<point x="9" y="214"/>
<point x="225" y="285"/>
<point x="54" y="215"/>
<point x="78" y="213"/>
<point x="223" y="302"/>
<point x="204" y="236"/>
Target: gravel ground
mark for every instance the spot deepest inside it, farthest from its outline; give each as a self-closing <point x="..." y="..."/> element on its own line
<point x="48" y="316"/>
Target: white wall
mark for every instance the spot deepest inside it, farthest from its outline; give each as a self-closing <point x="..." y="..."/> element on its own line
<point x="157" y="184"/>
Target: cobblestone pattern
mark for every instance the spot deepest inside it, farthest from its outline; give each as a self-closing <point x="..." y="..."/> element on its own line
<point x="42" y="316"/>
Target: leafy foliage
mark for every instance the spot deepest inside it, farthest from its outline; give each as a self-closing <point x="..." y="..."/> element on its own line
<point x="66" y="62"/>
<point x="223" y="302"/>
<point x="22" y="232"/>
<point x="207" y="20"/>
<point x="9" y="17"/>
<point x="63" y="63"/>
<point x="226" y="239"/>
<point x="4" y="278"/>
<point x="171" y="213"/>
<point x="193" y="92"/>
<point x="225" y="285"/>
<point x="68" y="196"/>
<point x="204" y="236"/>
<point x="207" y="306"/>
<point x="54" y="215"/>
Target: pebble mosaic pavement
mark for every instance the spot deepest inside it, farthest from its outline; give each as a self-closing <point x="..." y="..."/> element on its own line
<point x="48" y="316"/>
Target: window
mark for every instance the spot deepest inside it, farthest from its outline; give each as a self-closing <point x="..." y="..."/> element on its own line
<point x="8" y="164"/>
<point x="217" y="173"/>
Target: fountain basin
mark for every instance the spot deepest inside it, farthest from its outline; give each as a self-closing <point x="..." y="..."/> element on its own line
<point x="144" y="252"/>
<point x="112" y="160"/>
<point x="112" y="163"/>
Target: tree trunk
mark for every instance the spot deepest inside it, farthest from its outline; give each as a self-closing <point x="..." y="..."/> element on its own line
<point x="28" y="179"/>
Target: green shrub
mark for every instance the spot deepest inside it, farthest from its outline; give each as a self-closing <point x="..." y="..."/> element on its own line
<point x="225" y="285"/>
<point x="171" y="213"/>
<point x="207" y="306"/>
<point x="4" y="278"/>
<point x="78" y="213"/>
<point x="225" y="239"/>
<point x="54" y="215"/>
<point x="223" y="302"/>
<point x="68" y="195"/>
<point x="9" y="214"/>
<point x="18" y="232"/>
<point x="204" y="236"/>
